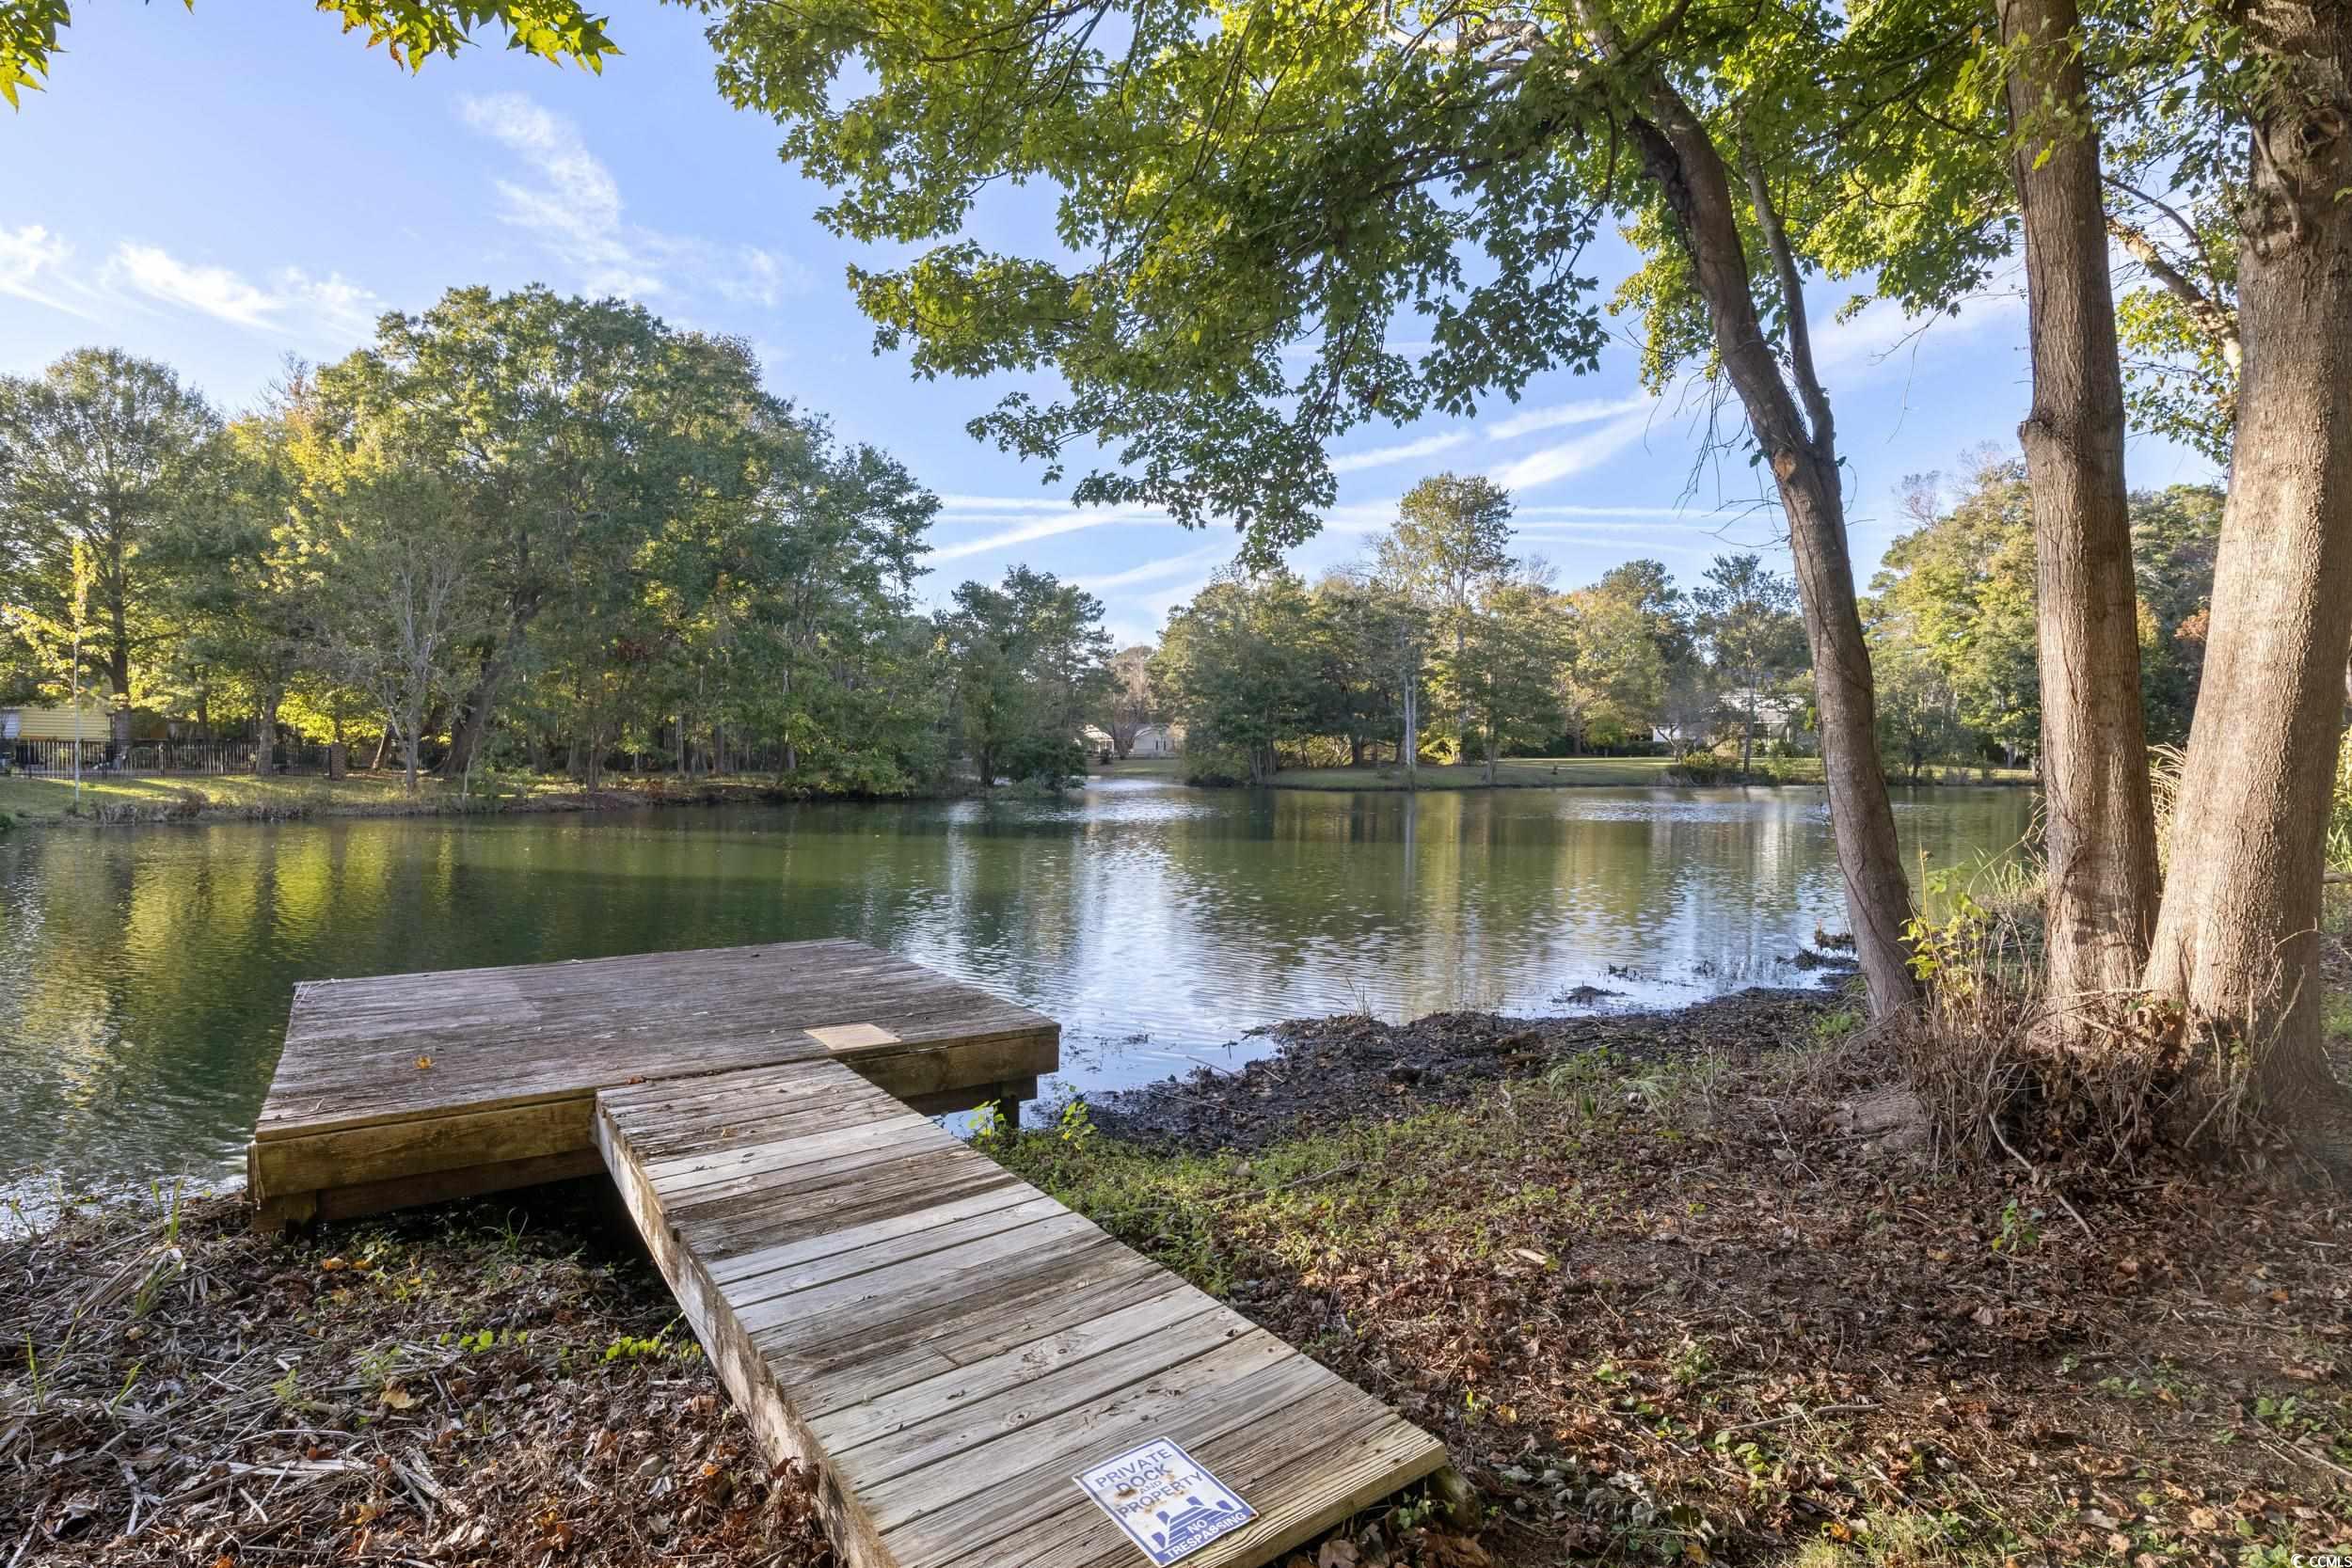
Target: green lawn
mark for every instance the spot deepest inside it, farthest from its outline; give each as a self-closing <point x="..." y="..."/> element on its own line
<point x="42" y="799"/>
<point x="1512" y="773"/>
<point x="1139" y="767"/>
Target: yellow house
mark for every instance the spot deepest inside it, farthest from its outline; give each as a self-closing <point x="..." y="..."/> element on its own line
<point x="54" y="723"/>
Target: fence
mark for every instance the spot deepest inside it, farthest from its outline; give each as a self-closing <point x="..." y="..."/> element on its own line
<point x="153" y="758"/>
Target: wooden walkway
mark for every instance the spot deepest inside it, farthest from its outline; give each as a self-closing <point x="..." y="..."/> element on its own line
<point x="950" y="1347"/>
<point x="411" y="1088"/>
<point x="945" y="1344"/>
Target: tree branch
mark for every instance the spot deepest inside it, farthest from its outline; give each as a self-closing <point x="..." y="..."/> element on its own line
<point x="1793" y="313"/>
<point x="2216" y="321"/>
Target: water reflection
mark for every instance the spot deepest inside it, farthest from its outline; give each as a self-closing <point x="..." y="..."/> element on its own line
<point x="145" y="973"/>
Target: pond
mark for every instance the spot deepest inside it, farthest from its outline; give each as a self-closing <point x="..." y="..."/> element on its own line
<point x="145" y="973"/>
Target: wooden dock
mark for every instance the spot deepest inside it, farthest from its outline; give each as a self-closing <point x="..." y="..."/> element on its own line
<point x="412" y="1089"/>
<point x="947" y="1345"/>
<point x="950" y="1347"/>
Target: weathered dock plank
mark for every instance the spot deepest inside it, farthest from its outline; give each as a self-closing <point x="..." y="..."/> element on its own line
<point x="949" y="1346"/>
<point x="406" y="1089"/>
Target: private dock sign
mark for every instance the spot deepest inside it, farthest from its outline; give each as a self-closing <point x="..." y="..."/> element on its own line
<point x="1169" y="1505"/>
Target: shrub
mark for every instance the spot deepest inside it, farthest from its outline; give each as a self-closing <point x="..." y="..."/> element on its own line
<point x="1702" y="768"/>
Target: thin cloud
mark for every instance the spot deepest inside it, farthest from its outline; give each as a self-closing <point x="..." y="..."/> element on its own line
<point x="294" y="302"/>
<point x="1064" y="520"/>
<point x="1566" y="510"/>
<point x="213" y="291"/>
<point x="32" y="267"/>
<point x="571" y="204"/>
<point x="1153" y="571"/>
<point x="1561" y="416"/>
<point x="1589" y="450"/>
<point x="1404" y="451"/>
<point x="1878" y="332"/>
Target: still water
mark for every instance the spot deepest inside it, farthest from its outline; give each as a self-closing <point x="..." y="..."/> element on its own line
<point x="145" y="973"/>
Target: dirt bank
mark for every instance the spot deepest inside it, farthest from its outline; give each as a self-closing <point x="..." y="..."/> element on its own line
<point x="1327" y="1072"/>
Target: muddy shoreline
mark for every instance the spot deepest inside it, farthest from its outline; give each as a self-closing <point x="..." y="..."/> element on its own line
<point x="1327" y="1072"/>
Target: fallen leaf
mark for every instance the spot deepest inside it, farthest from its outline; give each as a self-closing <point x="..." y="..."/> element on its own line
<point x="425" y="1064"/>
<point x="396" y="1397"/>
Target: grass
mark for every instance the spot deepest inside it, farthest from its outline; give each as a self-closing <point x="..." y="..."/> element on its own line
<point x="1139" y="768"/>
<point x="1510" y="773"/>
<point x="1571" y="772"/>
<point x="183" y="796"/>
<point x="1667" y="1313"/>
<point x="52" y="799"/>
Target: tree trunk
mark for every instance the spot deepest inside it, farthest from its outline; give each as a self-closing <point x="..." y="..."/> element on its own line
<point x="1409" y="747"/>
<point x="473" y="724"/>
<point x="118" y="675"/>
<point x="2237" y="935"/>
<point x="266" y="732"/>
<point x="1680" y="155"/>
<point x="409" y="744"/>
<point x="2101" y="835"/>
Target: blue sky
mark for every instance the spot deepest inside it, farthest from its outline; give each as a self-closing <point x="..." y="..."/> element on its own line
<point x="219" y="188"/>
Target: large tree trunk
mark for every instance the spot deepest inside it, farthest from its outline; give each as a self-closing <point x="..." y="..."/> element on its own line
<point x="266" y="732"/>
<point x="2238" y="936"/>
<point x="474" y="717"/>
<point x="1682" y="156"/>
<point x="2101" y="836"/>
<point x="409" y="742"/>
<point x="119" y="676"/>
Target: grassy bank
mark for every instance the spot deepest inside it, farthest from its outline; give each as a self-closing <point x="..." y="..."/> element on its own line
<point x="1573" y="773"/>
<point x="1510" y="773"/>
<point x="1685" y="1312"/>
<point x="241" y="796"/>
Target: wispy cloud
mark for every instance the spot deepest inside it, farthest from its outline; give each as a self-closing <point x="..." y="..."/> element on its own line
<point x="1880" y="334"/>
<point x="1156" y="571"/>
<point x="1566" y="510"/>
<point x="292" y="303"/>
<point x="1404" y="451"/>
<point x="32" y="267"/>
<point x="1548" y="465"/>
<point x="571" y="204"/>
<point x="1563" y="414"/>
<point x="1043" y="522"/>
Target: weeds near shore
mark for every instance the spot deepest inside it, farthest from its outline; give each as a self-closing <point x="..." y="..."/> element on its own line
<point x="1673" y="1311"/>
<point x="442" y="1387"/>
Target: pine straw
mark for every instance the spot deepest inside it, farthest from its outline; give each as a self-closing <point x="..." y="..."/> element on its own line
<point x="499" y="1382"/>
<point x="1672" y="1315"/>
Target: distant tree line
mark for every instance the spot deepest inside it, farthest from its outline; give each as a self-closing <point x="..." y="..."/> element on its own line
<point x="1445" y="646"/>
<point x="1952" y="615"/>
<point x="519" y="530"/>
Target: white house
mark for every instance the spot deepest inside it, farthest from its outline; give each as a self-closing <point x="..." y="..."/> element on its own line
<point x="1152" y="741"/>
